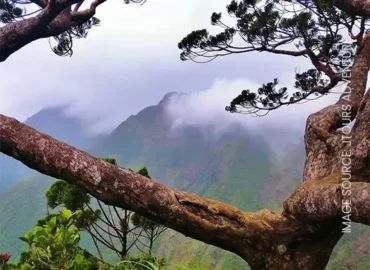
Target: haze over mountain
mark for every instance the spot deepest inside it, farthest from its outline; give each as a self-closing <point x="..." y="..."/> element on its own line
<point x="51" y="121"/>
<point x="230" y="162"/>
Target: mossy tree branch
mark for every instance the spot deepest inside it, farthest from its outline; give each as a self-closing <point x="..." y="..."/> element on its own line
<point x="249" y="235"/>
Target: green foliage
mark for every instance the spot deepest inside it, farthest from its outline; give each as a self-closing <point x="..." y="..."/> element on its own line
<point x="66" y="195"/>
<point x="20" y="208"/>
<point x="151" y="230"/>
<point x="143" y="222"/>
<point x="352" y="251"/>
<point x="85" y="218"/>
<point x="144" y="172"/>
<point x="270" y="26"/>
<point x="138" y="220"/>
<point x="63" y="194"/>
<point x="193" y="266"/>
<point x="101" y="224"/>
<point x="55" y="245"/>
<point x="140" y="262"/>
<point x="110" y="160"/>
<point x="54" y="242"/>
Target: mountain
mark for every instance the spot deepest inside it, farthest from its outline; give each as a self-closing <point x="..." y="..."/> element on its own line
<point x="51" y="121"/>
<point x="239" y="167"/>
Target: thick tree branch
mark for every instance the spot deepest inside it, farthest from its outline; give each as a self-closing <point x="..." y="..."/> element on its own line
<point x="77" y="6"/>
<point x="203" y="219"/>
<point x="15" y="35"/>
<point x="323" y="68"/>
<point x="83" y="16"/>
<point x="322" y="200"/>
<point x="284" y="52"/>
<point x="40" y="3"/>
<point x="321" y="137"/>
<point x="250" y="235"/>
<point x="354" y="7"/>
<point x="361" y="139"/>
<point x="54" y="19"/>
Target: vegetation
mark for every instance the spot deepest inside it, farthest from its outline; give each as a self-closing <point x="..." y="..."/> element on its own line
<point x="226" y="178"/>
<point x="229" y="163"/>
<point x="312" y="221"/>
<point x="54" y="243"/>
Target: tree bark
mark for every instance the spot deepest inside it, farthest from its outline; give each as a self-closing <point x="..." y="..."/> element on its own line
<point x="324" y="143"/>
<point x="55" y="18"/>
<point x="260" y="238"/>
<point x="354" y="7"/>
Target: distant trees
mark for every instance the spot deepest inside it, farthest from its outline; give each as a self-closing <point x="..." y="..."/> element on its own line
<point x="54" y="243"/>
<point x="116" y="229"/>
<point x="151" y="230"/>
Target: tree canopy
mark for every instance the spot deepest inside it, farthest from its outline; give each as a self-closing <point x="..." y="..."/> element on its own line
<point x="316" y="30"/>
<point x="62" y="20"/>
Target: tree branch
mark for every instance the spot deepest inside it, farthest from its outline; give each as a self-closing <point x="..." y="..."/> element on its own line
<point x="77" y="6"/>
<point x="202" y="219"/>
<point x="249" y="235"/>
<point x="79" y="17"/>
<point x="15" y="35"/>
<point x="55" y="18"/>
<point x="285" y="52"/>
<point x="321" y="137"/>
<point x="354" y="7"/>
<point x="321" y="200"/>
<point x="361" y="139"/>
<point x="40" y="3"/>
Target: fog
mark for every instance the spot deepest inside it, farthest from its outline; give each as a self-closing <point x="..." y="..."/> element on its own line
<point x="206" y="109"/>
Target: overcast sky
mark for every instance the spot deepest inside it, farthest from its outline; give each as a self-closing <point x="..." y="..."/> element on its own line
<point x="132" y="60"/>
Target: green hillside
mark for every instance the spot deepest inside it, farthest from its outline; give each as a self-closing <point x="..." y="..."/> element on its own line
<point x="20" y="207"/>
<point x="53" y="122"/>
<point x="239" y="168"/>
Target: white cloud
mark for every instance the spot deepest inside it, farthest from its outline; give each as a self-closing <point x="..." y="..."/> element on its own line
<point x="131" y="61"/>
<point x="132" y="40"/>
<point x="207" y="109"/>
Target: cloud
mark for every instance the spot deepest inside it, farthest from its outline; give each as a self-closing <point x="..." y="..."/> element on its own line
<point x="130" y="62"/>
<point x="207" y="109"/>
<point x="124" y="65"/>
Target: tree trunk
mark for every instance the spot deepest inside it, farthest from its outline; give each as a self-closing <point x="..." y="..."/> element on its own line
<point x="310" y="253"/>
<point x="97" y="247"/>
<point x="151" y="241"/>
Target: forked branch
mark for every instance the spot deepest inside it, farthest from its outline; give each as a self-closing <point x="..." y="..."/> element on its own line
<point x="204" y="219"/>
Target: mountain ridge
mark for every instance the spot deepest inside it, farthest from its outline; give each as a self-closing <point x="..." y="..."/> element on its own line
<point x="239" y="168"/>
<point x="53" y="122"/>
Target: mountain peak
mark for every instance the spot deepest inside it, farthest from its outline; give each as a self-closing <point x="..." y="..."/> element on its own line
<point x="47" y="112"/>
<point x="54" y="122"/>
<point x="170" y="95"/>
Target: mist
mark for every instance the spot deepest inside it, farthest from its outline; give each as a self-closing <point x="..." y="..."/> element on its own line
<point x="206" y="110"/>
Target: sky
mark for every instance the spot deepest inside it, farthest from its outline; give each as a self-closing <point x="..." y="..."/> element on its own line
<point x="131" y="61"/>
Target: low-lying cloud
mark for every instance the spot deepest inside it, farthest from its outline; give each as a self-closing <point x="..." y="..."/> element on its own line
<point x="207" y="109"/>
